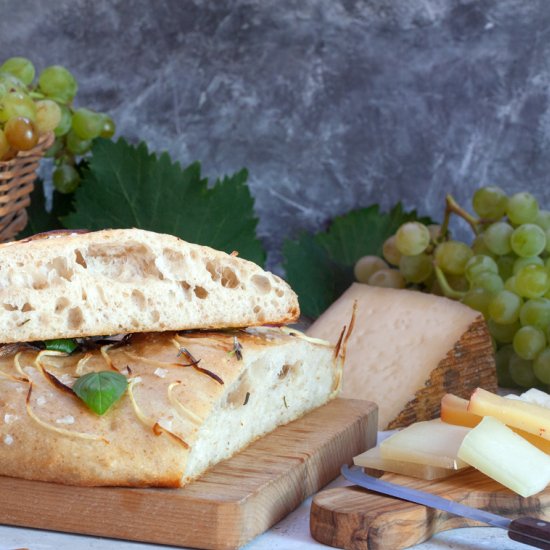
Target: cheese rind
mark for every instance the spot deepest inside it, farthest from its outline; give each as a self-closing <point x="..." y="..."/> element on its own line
<point x="433" y="443"/>
<point x="408" y="349"/>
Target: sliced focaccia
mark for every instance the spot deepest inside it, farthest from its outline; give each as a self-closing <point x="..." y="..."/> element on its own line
<point x="192" y="399"/>
<point x="129" y="280"/>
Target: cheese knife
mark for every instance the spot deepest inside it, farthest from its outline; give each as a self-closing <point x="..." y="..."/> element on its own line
<point x="532" y="531"/>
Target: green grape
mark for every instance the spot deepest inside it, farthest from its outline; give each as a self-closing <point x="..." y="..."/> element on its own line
<point x="536" y="312"/>
<point x="58" y="83"/>
<point x="389" y="278"/>
<point x="506" y="266"/>
<point x="48" y="115"/>
<point x="478" y="299"/>
<point x="86" y="124"/>
<point x="479" y="264"/>
<point x="503" y="334"/>
<point x="77" y="146"/>
<point x="490" y="203"/>
<point x="65" y="178"/>
<point x="520" y="263"/>
<point x="9" y="83"/>
<point x="412" y="238"/>
<point x="416" y="269"/>
<point x="504" y="307"/>
<point x="366" y="266"/>
<point x="497" y="238"/>
<point x="21" y="133"/>
<point x="521" y="372"/>
<point x="529" y="342"/>
<point x="543" y="219"/>
<point x="489" y="281"/>
<point x="108" y="130"/>
<point x="65" y="123"/>
<point x="480" y="248"/>
<point x="17" y="104"/>
<point x="502" y="361"/>
<point x="510" y="285"/>
<point x="528" y="240"/>
<point x="532" y="281"/>
<point x="390" y="252"/>
<point x="541" y="366"/>
<point x="55" y="148"/>
<point x="458" y="282"/>
<point x="522" y="208"/>
<point x="452" y="256"/>
<point x="20" y="67"/>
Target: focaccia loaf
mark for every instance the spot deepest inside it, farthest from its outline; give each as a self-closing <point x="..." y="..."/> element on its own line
<point x="178" y="416"/>
<point x="129" y="280"/>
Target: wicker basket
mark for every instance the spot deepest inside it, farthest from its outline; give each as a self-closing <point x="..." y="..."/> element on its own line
<point x="16" y="184"/>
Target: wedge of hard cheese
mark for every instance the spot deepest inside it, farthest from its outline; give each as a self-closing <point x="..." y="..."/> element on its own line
<point x="408" y="349"/>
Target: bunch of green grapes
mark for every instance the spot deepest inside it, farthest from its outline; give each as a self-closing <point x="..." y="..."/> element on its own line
<point x="504" y="274"/>
<point x="30" y="108"/>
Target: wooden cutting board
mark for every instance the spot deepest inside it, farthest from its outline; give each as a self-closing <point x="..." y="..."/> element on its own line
<point x="357" y="519"/>
<point x="235" y="501"/>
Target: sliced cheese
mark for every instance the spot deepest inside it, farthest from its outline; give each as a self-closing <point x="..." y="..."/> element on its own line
<point x="498" y="452"/>
<point x="408" y="349"/>
<point x="454" y="410"/>
<point x="433" y="443"/>
<point x="516" y="413"/>
<point x="372" y="460"/>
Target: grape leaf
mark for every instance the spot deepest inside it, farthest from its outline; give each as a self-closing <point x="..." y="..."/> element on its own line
<point x="126" y="186"/>
<point x="320" y="267"/>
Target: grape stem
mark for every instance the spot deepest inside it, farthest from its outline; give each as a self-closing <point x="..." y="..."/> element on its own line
<point x="446" y="287"/>
<point x="452" y="207"/>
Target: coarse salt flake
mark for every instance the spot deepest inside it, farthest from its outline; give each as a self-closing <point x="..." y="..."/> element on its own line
<point x="8" y="439"/>
<point x="65" y="420"/>
<point x="161" y="373"/>
<point x="9" y="418"/>
<point x="41" y="400"/>
<point x="165" y="423"/>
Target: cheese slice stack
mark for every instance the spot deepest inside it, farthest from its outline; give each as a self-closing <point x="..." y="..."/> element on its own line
<point x="408" y="349"/>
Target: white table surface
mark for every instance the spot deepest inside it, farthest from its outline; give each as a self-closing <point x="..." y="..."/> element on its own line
<point x="292" y="533"/>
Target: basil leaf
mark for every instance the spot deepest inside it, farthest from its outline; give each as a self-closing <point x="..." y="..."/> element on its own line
<point x="67" y="345"/>
<point x="100" y="390"/>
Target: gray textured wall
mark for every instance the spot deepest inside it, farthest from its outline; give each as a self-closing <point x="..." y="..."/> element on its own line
<point x="331" y="104"/>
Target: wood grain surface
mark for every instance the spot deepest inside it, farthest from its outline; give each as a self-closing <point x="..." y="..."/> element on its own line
<point x="235" y="501"/>
<point x="357" y="519"/>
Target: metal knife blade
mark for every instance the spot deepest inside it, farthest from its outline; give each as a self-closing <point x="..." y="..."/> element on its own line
<point x="532" y="531"/>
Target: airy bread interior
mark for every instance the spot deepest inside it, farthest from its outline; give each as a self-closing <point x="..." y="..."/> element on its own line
<point x="129" y="280"/>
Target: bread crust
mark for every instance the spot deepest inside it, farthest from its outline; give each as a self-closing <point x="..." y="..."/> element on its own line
<point x="130" y="280"/>
<point x="174" y="421"/>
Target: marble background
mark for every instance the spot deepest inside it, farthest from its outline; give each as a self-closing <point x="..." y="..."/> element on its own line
<point x="330" y="104"/>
